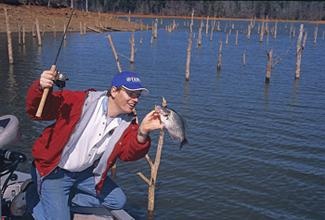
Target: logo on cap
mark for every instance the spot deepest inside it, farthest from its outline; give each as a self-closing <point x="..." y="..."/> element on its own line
<point x="133" y="79"/>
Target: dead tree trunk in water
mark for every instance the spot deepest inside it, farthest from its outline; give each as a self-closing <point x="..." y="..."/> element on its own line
<point x="212" y="29"/>
<point x="244" y="57"/>
<point x="64" y="27"/>
<point x="189" y="49"/>
<point x="23" y="35"/>
<point x="188" y="57"/>
<point x="80" y="28"/>
<point x="236" y="41"/>
<point x="155" y="29"/>
<point x="53" y="28"/>
<point x="268" y="66"/>
<point x="154" y="166"/>
<point x="304" y="40"/>
<point x="218" y="26"/>
<point x="117" y="60"/>
<point x="207" y="26"/>
<point x="227" y="37"/>
<point x="39" y="38"/>
<point x="249" y="29"/>
<point x="299" y="51"/>
<point x="199" y="38"/>
<point x="262" y="32"/>
<point x="315" y="34"/>
<point x="19" y="34"/>
<point x="275" y="30"/>
<point x="132" y="44"/>
<point x="9" y="40"/>
<point x="219" y="57"/>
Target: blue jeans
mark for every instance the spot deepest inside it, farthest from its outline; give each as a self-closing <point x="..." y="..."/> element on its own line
<point x="61" y="189"/>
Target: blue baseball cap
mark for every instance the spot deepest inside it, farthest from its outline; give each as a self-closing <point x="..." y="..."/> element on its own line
<point x="129" y="81"/>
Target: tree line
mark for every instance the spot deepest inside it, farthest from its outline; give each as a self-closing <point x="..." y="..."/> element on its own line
<point x="292" y="10"/>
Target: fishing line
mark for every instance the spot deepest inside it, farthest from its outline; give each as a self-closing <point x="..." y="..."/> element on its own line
<point x="64" y="34"/>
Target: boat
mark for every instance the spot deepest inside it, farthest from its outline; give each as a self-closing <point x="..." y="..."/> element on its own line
<point x="9" y="126"/>
<point x="14" y="183"/>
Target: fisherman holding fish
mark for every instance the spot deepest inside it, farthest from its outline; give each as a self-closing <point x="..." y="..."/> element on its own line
<point x="91" y="130"/>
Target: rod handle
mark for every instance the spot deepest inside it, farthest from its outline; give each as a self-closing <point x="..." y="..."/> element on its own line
<point x="44" y="96"/>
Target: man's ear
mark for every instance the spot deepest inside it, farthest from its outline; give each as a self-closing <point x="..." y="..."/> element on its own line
<point x="113" y="91"/>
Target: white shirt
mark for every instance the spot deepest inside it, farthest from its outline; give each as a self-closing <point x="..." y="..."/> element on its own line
<point x="85" y="147"/>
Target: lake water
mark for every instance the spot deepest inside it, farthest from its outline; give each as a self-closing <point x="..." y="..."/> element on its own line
<point x="256" y="150"/>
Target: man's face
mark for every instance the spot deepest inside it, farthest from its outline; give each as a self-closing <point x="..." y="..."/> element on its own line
<point x="125" y="100"/>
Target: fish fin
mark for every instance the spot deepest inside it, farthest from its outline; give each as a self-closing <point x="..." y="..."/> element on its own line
<point x="182" y="143"/>
<point x="176" y="139"/>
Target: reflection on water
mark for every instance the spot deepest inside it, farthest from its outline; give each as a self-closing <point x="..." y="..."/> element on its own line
<point x="266" y="95"/>
<point x="12" y="85"/>
<point x="11" y="80"/>
<point x="256" y="150"/>
<point x="218" y="74"/>
<point x="39" y="51"/>
<point x="186" y="89"/>
<point x="295" y="91"/>
<point x="22" y="50"/>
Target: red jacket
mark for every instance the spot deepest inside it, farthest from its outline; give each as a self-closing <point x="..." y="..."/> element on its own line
<point x="65" y="107"/>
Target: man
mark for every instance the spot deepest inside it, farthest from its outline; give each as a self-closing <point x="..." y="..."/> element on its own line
<point x="91" y="130"/>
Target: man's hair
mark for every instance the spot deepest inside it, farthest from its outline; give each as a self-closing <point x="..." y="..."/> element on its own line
<point x="109" y="90"/>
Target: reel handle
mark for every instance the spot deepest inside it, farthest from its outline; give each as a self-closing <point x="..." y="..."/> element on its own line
<point x="12" y="156"/>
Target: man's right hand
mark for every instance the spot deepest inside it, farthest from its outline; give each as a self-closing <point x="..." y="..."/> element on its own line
<point x="47" y="79"/>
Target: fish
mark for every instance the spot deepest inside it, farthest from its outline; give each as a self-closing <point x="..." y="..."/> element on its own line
<point x="173" y="123"/>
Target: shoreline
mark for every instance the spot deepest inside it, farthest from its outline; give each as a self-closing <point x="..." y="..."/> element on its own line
<point x="54" y="19"/>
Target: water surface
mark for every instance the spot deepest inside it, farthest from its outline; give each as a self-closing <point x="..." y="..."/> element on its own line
<point x="256" y="150"/>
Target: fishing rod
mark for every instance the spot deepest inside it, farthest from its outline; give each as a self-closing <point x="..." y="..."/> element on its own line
<point x="53" y="69"/>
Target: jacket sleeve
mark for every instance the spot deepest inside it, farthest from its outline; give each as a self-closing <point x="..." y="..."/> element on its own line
<point x="52" y="104"/>
<point x="131" y="148"/>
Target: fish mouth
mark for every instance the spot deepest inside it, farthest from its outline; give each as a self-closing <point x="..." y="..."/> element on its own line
<point x="161" y="111"/>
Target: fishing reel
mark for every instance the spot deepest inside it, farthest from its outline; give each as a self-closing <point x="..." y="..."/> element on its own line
<point x="60" y="80"/>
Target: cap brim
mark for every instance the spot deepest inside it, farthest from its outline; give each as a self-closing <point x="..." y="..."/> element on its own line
<point x="143" y="90"/>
